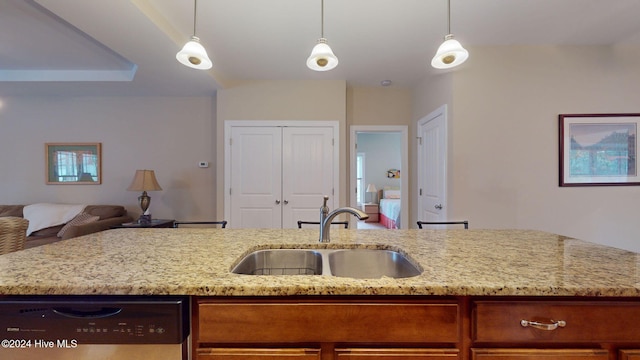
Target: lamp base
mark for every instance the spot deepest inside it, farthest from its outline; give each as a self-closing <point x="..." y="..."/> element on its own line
<point x="144" y="219"/>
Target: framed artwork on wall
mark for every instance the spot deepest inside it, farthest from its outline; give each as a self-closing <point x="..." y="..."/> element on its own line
<point x="598" y="149"/>
<point x="73" y="163"/>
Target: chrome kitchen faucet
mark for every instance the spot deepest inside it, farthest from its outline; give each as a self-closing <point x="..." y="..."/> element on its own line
<point x="327" y="217"/>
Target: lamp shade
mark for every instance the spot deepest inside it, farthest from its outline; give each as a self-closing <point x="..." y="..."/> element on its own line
<point x="371" y="188"/>
<point x="144" y="180"/>
<point x="450" y="54"/>
<point x="322" y="57"/>
<point x="194" y="55"/>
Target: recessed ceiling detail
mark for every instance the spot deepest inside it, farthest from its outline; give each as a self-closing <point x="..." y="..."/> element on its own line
<point x="42" y="47"/>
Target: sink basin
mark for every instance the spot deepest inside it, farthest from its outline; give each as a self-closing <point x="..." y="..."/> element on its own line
<point x="371" y="264"/>
<point x="280" y="262"/>
<point x="353" y="263"/>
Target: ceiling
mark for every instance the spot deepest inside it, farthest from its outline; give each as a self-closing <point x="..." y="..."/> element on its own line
<point x="128" y="47"/>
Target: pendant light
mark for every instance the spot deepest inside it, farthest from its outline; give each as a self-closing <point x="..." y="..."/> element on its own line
<point x="450" y="53"/>
<point x="193" y="53"/>
<point x="322" y="58"/>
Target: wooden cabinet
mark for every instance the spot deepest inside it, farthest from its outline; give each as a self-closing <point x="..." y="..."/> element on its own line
<point x="396" y="354"/>
<point x="555" y="329"/>
<point x="416" y="328"/>
<point x="577" y="321"/>
<point x="373" y="211"/>
<point x="257" y="354"/>
<point x="629" y="354"/>
<point x="271" y="329"/>
<point x="537" y="354"/>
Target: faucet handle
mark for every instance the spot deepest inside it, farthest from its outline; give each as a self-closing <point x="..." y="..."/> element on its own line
<point x="326" y="198"/>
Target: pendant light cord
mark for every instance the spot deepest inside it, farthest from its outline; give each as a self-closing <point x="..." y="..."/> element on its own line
<point x="322" y="18"/>
<point x="195" y="10"/>
<point x="449" y="17"/>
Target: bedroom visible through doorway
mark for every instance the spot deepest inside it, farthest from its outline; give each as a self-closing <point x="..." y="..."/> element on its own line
<point x="378" y="158"/>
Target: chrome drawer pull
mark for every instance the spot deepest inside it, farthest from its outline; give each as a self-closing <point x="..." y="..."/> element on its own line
<point x="538" y="325"/>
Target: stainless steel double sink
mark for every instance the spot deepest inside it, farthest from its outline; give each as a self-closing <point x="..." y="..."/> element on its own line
<point x="360" y="263"/>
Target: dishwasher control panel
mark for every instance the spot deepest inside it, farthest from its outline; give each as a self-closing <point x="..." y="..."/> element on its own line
<point x="96" y="319"/>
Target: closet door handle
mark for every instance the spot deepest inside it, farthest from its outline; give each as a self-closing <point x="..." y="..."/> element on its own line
<point x="277" y="202"/>
<point x="438" y="206"/>
<point x="286" y="202"/>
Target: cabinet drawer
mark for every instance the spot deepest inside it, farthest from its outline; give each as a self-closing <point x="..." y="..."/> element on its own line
<point x="327" y="322"/>
<point x="629" y="354"/>
<point x="538" y="354"/>
<point x="495" y="321"/>
<point x="396" y="354"/>
<point x="257" y="354"/>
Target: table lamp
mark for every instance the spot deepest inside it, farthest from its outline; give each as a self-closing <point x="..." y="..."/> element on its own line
<point x="144" y="180"/>
<point x="371" y="188"/>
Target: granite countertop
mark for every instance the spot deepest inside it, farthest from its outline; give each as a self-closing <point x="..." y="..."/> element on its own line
<point x="198" y="262"/>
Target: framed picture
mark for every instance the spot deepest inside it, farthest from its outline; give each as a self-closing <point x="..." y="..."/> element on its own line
<point x="393" y="173"/>
<point x="73" y="163"/>
<point x="598" y="149"/>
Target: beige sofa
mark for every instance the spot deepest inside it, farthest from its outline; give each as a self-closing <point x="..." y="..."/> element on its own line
<point x="109" y="215"/>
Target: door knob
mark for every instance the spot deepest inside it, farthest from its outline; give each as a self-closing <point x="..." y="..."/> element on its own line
<point x="286" y="202"/>
<point x="277" y="202"/>
<point x="438" y="206"/>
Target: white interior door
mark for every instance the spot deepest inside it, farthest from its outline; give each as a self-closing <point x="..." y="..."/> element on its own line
<point x="307" y="168"/>
<point x="278" y="173"/>
<point x="256" y="177"/>
<point x="432" y="166"/>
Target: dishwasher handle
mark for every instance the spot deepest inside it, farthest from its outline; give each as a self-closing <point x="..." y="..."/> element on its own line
<point x="86" y="314"/>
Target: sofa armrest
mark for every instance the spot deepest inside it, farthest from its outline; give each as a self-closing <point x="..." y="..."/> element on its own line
<point x="96" y="226"/>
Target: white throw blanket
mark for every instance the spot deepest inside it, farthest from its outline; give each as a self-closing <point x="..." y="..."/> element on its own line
<point x="43" y="215"/>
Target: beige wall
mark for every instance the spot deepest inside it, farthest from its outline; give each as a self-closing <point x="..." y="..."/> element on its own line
<point x="168" y="135"/>
<point x="504" y="123"/>
<point x="378" y="106"/>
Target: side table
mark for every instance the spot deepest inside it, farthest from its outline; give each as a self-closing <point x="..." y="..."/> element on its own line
<point x="373" y="211"/>
<point x="155" y="223"/>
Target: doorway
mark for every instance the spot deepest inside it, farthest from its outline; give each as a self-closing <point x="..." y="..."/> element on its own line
<point x="379" y="159"/>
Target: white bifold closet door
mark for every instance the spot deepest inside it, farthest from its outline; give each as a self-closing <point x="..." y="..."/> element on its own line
<point x="279" y="175"/>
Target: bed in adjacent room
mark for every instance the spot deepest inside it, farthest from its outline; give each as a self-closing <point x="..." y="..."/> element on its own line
<point x="390" y="208"/>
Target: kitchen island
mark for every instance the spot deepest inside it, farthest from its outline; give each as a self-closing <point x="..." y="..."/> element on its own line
<point x="482" y="294"/>
<point x="198" y="262"/>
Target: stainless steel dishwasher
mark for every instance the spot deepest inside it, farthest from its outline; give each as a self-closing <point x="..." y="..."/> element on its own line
<point x="94" y="327"/>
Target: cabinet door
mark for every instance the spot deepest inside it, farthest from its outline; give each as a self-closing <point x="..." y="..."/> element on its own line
<point x="307" y="173"/>
<point x="539" y="354"/>
<point x="396" y="354"/>
<point x="257" y="354"/>
<point x="629" y="354"/>
<point x="256" y="177"/>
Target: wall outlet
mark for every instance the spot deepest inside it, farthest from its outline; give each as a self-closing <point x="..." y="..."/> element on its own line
<point x="203" y="164"/>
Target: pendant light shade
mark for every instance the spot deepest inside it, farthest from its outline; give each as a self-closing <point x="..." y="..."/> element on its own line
<point x="450" y="53"/>
<point x="193" y="53"/>
<point x="322" y="58"/>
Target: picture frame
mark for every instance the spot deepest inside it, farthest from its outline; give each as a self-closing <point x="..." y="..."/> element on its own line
<point x="393" y="173"/>
<point x="598" y="149"/>
<point x="73" y="163"/>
